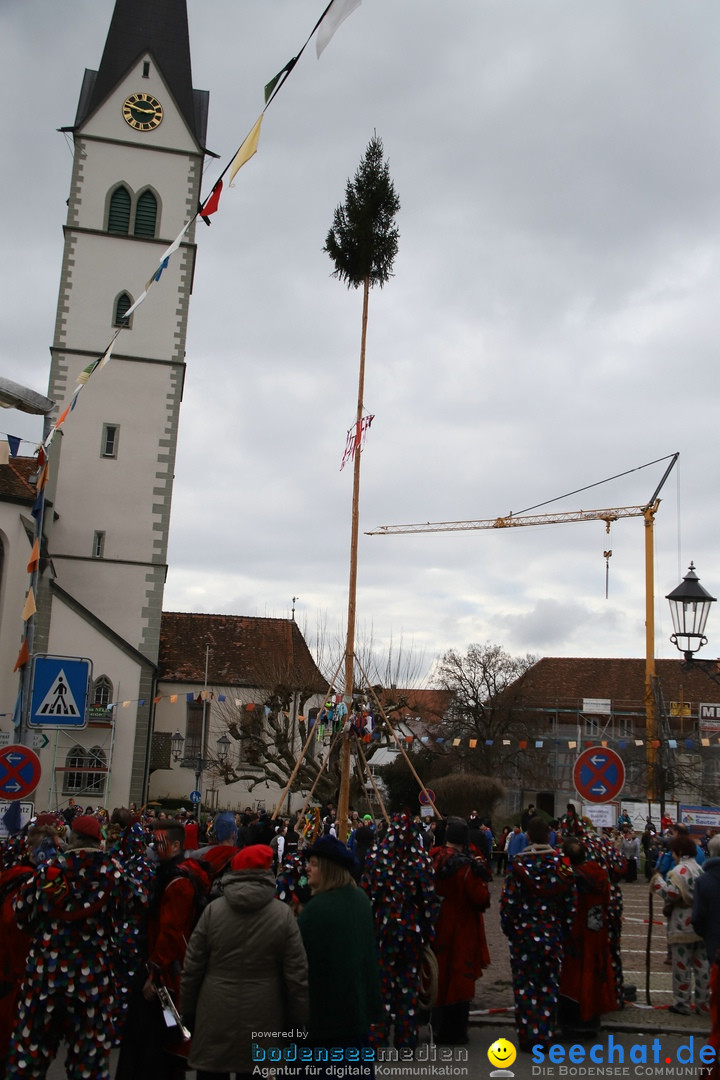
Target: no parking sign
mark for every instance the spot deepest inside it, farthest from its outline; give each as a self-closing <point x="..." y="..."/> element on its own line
<point x="599" y="774"/>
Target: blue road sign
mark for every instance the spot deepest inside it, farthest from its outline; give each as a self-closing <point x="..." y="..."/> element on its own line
<point x="599" y="774"/>
<point x="59" y="691"/>
<point x="19" y="772"/>
<point x="195" y="796"/>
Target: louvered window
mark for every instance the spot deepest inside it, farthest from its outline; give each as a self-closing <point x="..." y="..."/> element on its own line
<point x="121" y="308"/>
<point x="119" y="216"/>
<point x="146" y="214"/>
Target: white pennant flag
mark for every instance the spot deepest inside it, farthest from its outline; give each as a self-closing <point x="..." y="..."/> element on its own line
<point x="334" y="17"/>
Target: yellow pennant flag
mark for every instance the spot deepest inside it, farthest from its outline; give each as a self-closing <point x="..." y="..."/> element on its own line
<point x="247" y="150"/>
<point x="29" y="609"/>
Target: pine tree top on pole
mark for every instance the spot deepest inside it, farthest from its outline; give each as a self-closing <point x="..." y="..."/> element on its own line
<point x="363" y="238"/>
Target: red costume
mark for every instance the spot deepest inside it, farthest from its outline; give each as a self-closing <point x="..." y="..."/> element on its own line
<point x="460" y="942"/>
<point x="587" y="981"/>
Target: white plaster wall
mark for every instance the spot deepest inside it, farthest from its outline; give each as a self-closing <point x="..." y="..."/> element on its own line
<point x="13" y="590"/>
<point x="103" y="268"/>
<point x="70" y="635"/>
<point x="135" y="398"/>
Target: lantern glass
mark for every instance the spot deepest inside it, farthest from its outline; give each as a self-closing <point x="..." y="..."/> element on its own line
<point x="690" y="606"/>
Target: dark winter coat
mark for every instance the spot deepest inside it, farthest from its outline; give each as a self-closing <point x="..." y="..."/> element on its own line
<point x="245" y="971"/>
<point x="706" y="907"/>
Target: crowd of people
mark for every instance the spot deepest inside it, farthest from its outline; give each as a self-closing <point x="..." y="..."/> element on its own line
<point x="204" y="947"/>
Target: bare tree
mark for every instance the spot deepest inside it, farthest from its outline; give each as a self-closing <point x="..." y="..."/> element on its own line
<point x="486" y="684"/>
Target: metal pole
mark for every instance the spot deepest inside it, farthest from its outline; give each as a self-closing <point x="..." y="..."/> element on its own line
<point x="203" y="737"/>
<point x="650" y="712"/>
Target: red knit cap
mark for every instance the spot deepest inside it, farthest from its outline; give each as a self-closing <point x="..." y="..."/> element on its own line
<point x="87" y="825"/>
<point x="45" y="819"/>
<point x="254" y="857"/>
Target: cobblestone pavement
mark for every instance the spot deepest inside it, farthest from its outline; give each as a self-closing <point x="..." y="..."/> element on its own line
<point x="493" y="1002"/>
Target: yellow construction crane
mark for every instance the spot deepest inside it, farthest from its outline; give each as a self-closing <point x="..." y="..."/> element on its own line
<point x="513" y="521"/>
<point x="608" y="515"/>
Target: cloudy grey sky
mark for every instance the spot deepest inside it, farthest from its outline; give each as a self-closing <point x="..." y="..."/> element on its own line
<point x="553" y="319"/>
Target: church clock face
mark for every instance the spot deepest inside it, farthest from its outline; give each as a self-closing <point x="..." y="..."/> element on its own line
<point x="143" y="112"/>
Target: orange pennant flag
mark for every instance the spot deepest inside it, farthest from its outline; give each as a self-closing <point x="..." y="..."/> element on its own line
<point x="23" y="656"/>
<point x="34" y="557"/>
<point x="30" y="608"/>
<point x="42" y="477"/>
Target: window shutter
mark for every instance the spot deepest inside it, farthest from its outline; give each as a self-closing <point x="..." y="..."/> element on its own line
<point x="122" y="306"/>
<point x="146" y="214"/>
<point x="119" y="216"/>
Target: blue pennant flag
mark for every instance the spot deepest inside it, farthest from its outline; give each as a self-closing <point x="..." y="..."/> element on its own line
<point x="11" y="818"/>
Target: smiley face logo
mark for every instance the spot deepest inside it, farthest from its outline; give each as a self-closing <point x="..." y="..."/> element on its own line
<point x="502" y="1053"/>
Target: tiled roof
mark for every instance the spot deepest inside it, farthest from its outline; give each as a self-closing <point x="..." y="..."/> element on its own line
<point x="244" y="651"/>
<point x="15" y="479"/>
<point x="563" y="682"/>
<point x="427" y="705"/>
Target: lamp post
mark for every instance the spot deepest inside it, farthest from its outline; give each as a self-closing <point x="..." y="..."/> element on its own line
<point x="177" y="742"/>
<point x="690" y="606"/>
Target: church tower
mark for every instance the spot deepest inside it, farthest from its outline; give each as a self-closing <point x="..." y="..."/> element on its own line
<point x="139" y="139"/>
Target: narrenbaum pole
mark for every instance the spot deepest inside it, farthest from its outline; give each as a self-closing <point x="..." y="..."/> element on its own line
<point x="343" y="815"/>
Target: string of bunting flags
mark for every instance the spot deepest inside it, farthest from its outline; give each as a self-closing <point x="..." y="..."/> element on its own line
<point x="10" y="446"/>
<point x="330" y="20"/>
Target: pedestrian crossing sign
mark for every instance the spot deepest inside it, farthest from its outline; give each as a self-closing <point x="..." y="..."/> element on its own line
<point x="59" y="691"/>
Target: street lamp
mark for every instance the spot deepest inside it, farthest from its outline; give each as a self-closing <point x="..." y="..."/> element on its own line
<point x="689" y="609"/>
<point x="177" y="742"/>
<point x="223" y="748"/>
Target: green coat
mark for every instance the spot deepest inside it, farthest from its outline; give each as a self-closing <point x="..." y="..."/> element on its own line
<point x="338" y="932"/>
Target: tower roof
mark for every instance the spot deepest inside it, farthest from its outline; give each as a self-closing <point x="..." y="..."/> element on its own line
<point x="138" y="27"/>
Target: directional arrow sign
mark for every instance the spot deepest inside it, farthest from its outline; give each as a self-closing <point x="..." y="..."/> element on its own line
<point x="40" y="740"/>
<point x="599" y="774"/>
<point x="19" y="772"/>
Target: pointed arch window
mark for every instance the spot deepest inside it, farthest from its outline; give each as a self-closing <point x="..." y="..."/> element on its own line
<point x="146" y="214"/>
<point x="122" y="306"/>
<point x="102" y="692"/>
<point x="119" y="211"/>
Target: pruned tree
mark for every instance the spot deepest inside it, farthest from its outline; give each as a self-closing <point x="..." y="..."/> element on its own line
<point x="269" y="738"/>
<point x="269" y="726"/>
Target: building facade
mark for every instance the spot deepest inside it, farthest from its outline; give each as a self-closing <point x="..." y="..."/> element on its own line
<point x="139" y="145"/>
